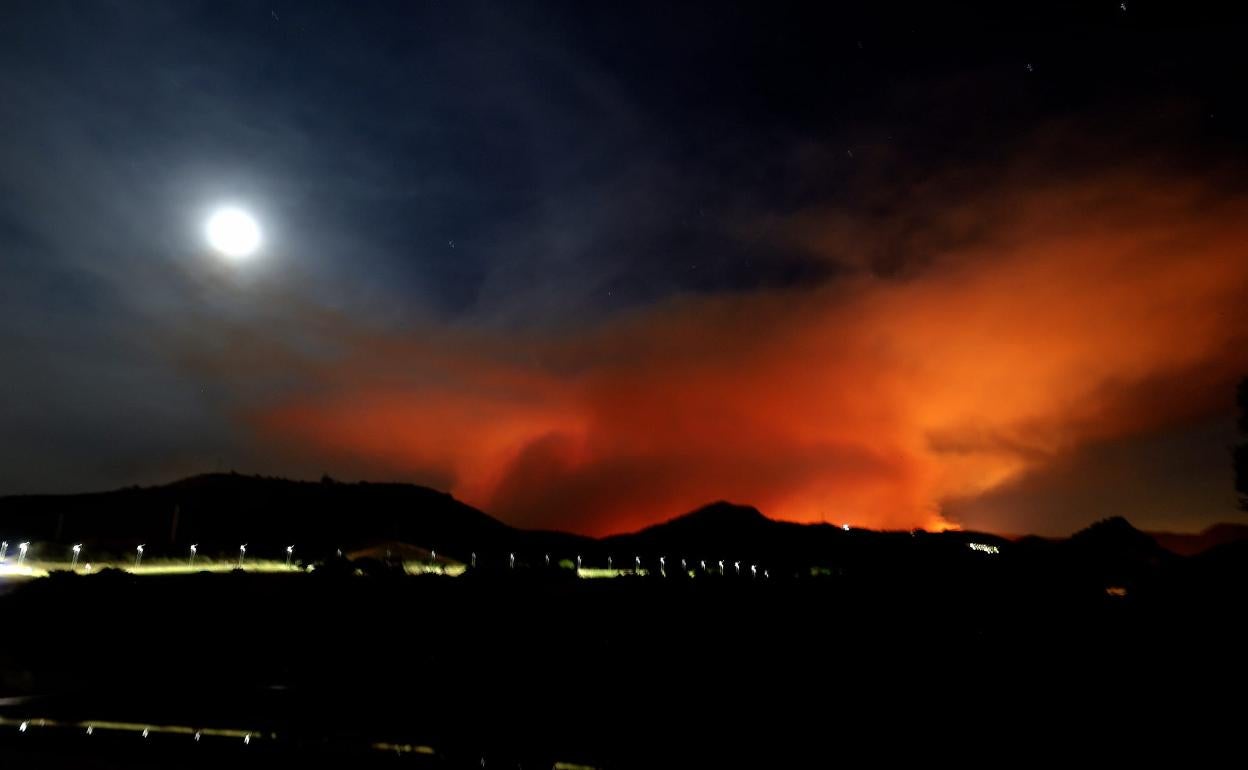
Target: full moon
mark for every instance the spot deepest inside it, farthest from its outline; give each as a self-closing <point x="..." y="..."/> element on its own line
<point x="233" y="232"/>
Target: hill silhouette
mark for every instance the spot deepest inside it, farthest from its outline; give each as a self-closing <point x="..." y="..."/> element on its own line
<point x="224" y="509"/>
<point x="1189" y="544"/>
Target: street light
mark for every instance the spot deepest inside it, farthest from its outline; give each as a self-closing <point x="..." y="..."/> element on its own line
<point x="578" y="561"/>
<point x="474" y="559"/>
<point x="138" y="556"/>
<point x="242" y="554"/>
<point x="737" y="566"/>
<point x="290" y="551"/>
<point x="22" y="548"/>
<point x="511" y="560"/>
<point x="608" y="562"/>
<point x="753" y="570"/>
<point x="194" y="550"/>
<point x="4" y="550"/>
<point x="721" y="566"/>
<point x="77" y="550"/>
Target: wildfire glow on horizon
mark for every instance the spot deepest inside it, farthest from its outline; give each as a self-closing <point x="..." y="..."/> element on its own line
<point x="589" y="267"/>
<point x="873" y="400"/>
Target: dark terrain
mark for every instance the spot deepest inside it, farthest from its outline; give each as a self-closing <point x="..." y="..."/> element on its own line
<point x="854" y="638"/>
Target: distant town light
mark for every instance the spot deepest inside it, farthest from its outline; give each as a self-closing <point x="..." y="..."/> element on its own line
<point x="242" y="554"/>
<point x="984" y="547"/>
<point x="845" y="527"/>
<point x="77" y="549"/>
<point x="138" y="555"/>
<point x="22" y="548"/>
<point x="22" y="727"/>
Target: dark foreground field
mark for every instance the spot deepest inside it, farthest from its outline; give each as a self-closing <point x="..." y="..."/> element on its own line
<point x="530" y="669"/>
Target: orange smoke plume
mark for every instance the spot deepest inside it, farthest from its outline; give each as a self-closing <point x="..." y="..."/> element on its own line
<point x="1066" y="315"/>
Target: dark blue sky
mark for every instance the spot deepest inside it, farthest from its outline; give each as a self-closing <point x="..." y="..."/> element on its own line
<point x="532" y="185"/>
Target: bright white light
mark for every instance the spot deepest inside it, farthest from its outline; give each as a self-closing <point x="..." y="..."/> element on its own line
<point x="233" y="232"/>
<point x="984" y="548"/>
<point x="845" y="527"/>
<point x="78" y="548"/>
<point x="22" y="727"/>
<point x="290" y="549"/>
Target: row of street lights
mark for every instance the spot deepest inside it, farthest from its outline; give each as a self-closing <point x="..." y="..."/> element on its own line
<point x="684" y="564"/>
<point x="290" y="552"/>
<point x="76" y="551"/>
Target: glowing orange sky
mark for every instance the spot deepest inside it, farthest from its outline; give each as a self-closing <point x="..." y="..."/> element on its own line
<point x="1074" y="313"/>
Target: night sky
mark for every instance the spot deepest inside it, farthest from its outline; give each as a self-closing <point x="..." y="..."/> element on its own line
<point x="591" y="265"/>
